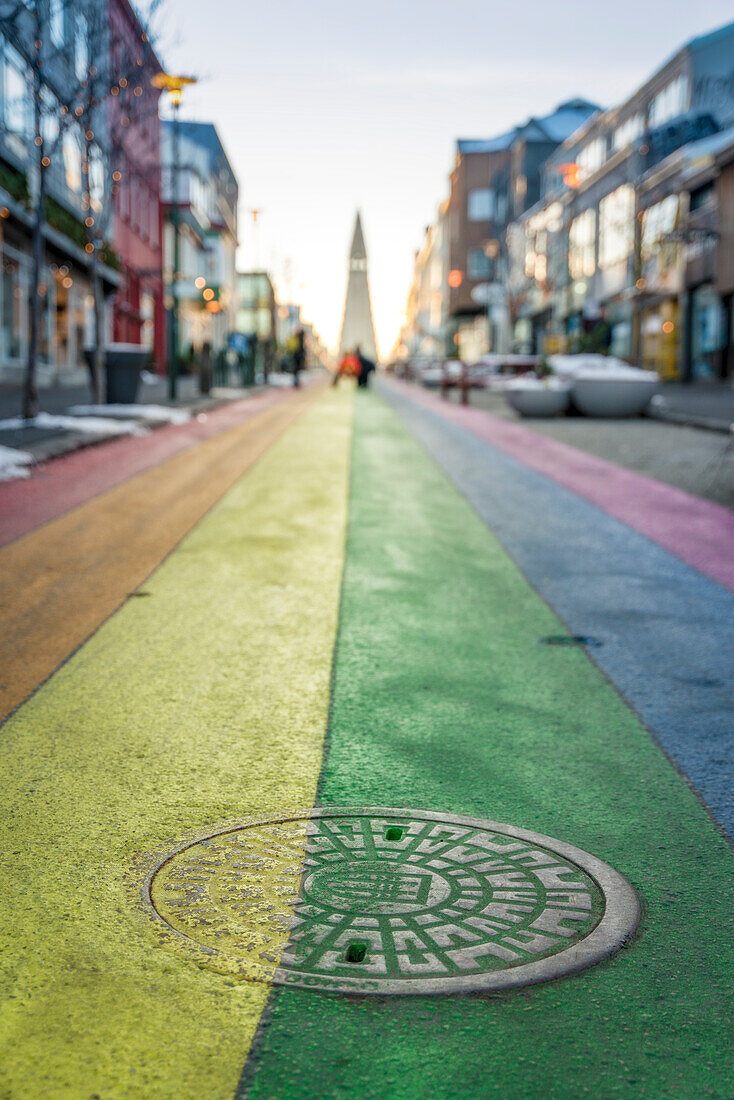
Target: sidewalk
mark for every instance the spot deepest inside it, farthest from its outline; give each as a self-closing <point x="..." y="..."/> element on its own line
<point x="697" y="404"/>
<point x="43" y="441"/>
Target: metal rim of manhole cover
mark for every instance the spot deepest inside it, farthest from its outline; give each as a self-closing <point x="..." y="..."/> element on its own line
<point x="387" y="901"/>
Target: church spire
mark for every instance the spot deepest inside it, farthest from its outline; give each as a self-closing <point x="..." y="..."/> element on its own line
<point x="357" y="327"/>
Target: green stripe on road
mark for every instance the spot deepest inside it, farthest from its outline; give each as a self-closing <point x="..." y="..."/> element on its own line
<point x="444" y="699"/>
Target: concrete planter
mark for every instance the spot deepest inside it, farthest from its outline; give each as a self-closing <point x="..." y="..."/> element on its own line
<point x="613" y="397"/>
<point x="538" y="399"/>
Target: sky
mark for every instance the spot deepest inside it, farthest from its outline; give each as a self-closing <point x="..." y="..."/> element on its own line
<point x="327" y="107"/>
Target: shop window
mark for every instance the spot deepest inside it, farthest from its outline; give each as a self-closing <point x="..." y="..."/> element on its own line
<point x="616" y="226"/>
<point x="708" y="333"/>
<point x="62" y="326"/>
<point x="13" y="309"/>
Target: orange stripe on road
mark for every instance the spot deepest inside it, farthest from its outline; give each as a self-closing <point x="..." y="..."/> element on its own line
<point x="59" y="583"/>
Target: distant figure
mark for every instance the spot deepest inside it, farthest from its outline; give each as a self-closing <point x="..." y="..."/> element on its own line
<point x="348" y="368"/>
<point x="205" y="369"/>
<point x="298" y="357"/>
<point x="366" y="366"/>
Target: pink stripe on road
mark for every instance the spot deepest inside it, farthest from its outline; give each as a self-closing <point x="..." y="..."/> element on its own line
<point x="696" y="531"/>
<point x="64" y="483"/>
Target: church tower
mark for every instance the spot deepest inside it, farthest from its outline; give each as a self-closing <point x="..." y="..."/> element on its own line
<point x="357" y="328"/>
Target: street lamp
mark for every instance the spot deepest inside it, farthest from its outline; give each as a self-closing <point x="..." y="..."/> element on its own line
<point x="174" y="85"/>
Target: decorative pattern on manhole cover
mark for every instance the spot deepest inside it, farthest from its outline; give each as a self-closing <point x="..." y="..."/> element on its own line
<point x="389" y="901"/>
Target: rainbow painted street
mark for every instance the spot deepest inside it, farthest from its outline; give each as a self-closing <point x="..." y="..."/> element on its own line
<point x="360" y="744"/>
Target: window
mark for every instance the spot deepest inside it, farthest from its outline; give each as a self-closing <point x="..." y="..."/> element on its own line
<point x="616" y="226"/>
<point x="56" y="22"/>
<point x="73" y="160"/>
<point x="658" y="223"/>
<point x="591" y="157"/>
<point x="12" y="296"/>
<point x="479" y="265"/>
<point x="81" y="47"/>
<point x="581" y="242"/>
<point x="627" y="132"/>
<point x="672" y="101"/>
<point x="480" y="205"/>
<point x="17" y="94"/>
<point x="49" y="116"/>
<point x="96" y="178"/>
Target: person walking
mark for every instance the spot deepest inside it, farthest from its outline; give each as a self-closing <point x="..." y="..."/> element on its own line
<point x="366" y="367"/>
<point x="298" y="357"/>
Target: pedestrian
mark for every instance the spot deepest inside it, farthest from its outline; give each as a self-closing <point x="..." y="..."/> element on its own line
<point x="298" y="356"/>
<point x="348" y="368"/>
<point x="205" y="369"/>
<point x="366" y="367"/>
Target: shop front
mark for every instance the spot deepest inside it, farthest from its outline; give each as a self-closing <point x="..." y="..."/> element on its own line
<point x="708" y="334"/>
<point x="660" y="338"/>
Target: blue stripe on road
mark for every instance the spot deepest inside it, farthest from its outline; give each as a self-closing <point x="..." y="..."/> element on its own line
<point x="668" y="632"/>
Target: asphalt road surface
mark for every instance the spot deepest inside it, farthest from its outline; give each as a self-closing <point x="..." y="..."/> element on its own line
<point x="361" y="745"/>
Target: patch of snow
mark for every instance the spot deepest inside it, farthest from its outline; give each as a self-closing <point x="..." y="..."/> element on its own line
<point x="529" y="382"/>
<point x="14" y="463"/>
<point x="92" y="425"/>
<point x="605" y="367"/>
<point x="157" y="414"/>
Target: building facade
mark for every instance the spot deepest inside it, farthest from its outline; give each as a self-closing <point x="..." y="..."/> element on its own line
<point x="624" y="230"/>
<point x="70" y="31"/>
<point x="200" y="192"/>
<point x="138" y="315"/>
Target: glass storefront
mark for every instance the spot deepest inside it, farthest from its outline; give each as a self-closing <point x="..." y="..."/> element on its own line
<point x="660" y="338"/>
<point x="708" y="333"/>
<point x="12" y="304"/>
<point x="61" y="337"/>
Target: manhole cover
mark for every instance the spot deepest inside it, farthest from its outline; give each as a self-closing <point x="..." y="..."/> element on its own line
<point x="388" y="901"/>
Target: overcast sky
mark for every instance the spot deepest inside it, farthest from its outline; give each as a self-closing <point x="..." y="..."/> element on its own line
<point x="328" y="106"/>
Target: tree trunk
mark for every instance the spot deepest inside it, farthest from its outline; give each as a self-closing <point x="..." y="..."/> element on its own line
<point x="98" y="356"/>
<point x="30" y="391"/>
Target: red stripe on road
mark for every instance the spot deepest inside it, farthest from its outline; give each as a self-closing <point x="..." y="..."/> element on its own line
<point x="57" y="486"/>
<point x="697" y="531"/>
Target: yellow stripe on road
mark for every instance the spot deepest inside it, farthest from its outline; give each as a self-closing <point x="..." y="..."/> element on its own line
<point x="204" y="702"/>
<point x="57" y="584"/>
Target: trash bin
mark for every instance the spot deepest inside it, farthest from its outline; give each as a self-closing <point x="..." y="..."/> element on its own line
<point x="123" y="364"/>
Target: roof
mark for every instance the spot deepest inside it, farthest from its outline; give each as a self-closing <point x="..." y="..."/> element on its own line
<point x="489" y="145"/>
<point x="555" y="127"/>
<point x="205" y="134"/>
<point x="566" y="119"/>
<point x="703" y="40"/>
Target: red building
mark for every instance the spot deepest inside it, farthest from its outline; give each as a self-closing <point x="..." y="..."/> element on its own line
<point x="137" y="231"/>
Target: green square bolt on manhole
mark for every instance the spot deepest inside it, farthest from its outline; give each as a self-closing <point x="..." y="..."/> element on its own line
<point x="382" y="901"/>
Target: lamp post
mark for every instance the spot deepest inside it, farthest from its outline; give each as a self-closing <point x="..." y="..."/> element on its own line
<point x="174" y="85"/>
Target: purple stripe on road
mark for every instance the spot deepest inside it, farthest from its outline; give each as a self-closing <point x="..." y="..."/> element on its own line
<point x="696" y="531"/>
